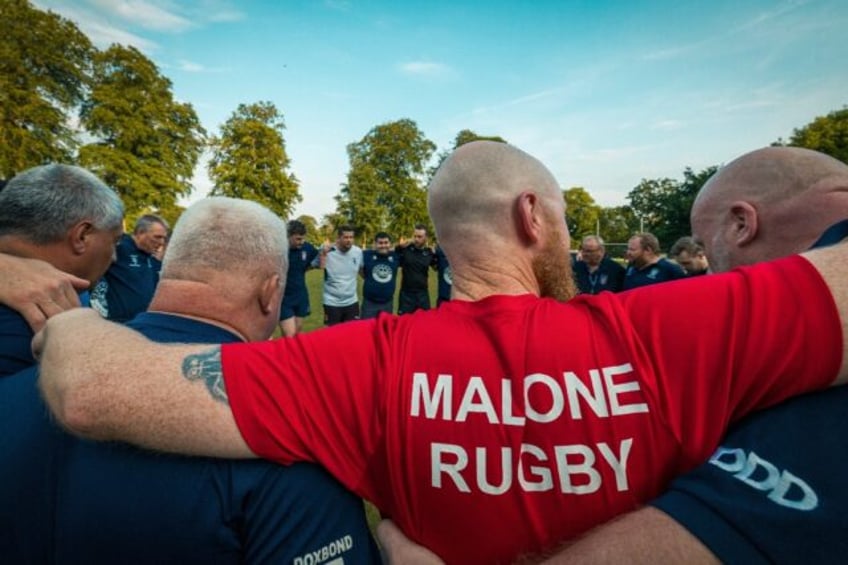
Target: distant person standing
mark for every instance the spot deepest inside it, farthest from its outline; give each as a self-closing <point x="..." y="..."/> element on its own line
<point x="295" y="305"/>
<point x="341" y="263"/>
<point x="415" y="260"/>
<point x="646" y="266"/>
<point x="689" y="254"/>
<point x="443" y="269"/>
<point x="127" y="287"/>
<point x="596" y="272"/>
<point x="379" y="273"/>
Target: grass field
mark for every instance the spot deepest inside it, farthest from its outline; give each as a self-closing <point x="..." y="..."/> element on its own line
<point x="314" y="282"/>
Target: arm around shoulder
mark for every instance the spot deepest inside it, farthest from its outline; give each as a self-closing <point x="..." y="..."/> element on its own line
<point x="105" y="381"/>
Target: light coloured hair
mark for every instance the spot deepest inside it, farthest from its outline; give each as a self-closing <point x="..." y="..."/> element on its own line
<point x="595" y="238"/>
<point x="42" y="203"/>
<point x="144" y="223"/>
<point x="226" y="235"/>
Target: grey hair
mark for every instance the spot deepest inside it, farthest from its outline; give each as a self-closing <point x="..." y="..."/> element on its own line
<point x="226" y="235"/>
<point x="144" y="223"/>
<point x="42" y="203"/>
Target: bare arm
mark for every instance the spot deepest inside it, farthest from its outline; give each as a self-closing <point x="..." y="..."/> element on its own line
<point x="832" y="264"/>
<point x="645" y="536"/>
<point x="166" y="397"/>
<point x="37" y="289"/>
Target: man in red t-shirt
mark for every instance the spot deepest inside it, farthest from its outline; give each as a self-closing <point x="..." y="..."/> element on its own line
<point x="519" y="411"/>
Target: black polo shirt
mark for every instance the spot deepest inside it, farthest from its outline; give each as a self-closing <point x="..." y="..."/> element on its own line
<point x="415" y="264"/>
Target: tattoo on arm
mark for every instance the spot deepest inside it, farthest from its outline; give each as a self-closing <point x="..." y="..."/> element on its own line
<point x="206" y="366"/>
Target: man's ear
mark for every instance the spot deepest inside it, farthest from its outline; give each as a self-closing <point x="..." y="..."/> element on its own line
<point x="78" y="236"/>
<point x="744" y="222"/>
<point x="529" y="217"/>
<point x="270" y="293"/>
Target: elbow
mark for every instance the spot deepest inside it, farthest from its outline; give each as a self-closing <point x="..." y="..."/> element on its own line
<point x="72" y="409"/>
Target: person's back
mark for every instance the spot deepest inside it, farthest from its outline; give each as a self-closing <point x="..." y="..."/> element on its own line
<point x="67" y="500"/>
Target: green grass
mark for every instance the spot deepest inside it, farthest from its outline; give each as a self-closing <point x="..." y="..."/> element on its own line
<point x="315" y="283"/>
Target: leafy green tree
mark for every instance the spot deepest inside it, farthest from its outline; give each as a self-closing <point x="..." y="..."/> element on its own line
<point x="617" y="224"/>
<point x="249" y="159"/>
<point x="146" y="144"/>
<point x="581" y="213"/>
<point x="663" y="205"/>
<point x="385" y="185"/>
<point x="313" y="234"/>
<point x="828" y="134"/>
<point x="45" y="67"/>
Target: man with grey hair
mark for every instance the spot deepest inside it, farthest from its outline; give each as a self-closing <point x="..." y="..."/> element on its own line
<point x="111" y="503"/>
<point x="520" y="410"/>
<point x="127" y="287"/>
<point x="595" y="272"/>
<point x="63" y="215"/>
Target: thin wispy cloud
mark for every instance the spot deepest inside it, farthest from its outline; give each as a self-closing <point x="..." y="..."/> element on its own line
<point x="146" y="14"/>
<point x="338" y="5"/>
<point x="668" y="125"/>
<point x="101" y="32"/>
<point x="425" y="69"/>
<point x="193" y="67"/>
<point x="766" y="17"/>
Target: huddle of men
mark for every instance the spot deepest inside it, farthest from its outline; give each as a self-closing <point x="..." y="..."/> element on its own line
<point x="65" y="499"/>
<point x="415" y="434"/>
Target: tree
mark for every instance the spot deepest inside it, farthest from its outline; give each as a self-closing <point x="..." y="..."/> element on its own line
<point x="146" y="144"/>
<point x="249" y="159"/>
<point x="663" y="205"/>
<point x="617" y="224"/>
<point x="313" y="233"/>
<point x="385" y="185"/>
<point x="828" y="134"/>
<point x="581" y="214"/>
<point x="45" y="68"/>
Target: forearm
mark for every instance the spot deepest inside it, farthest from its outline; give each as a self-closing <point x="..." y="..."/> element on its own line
<point x="104" y="381"/>
<point x="832" y="265"/>
<point x="646" y="536"/>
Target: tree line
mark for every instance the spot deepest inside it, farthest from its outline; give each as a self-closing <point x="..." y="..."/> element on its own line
<point x="114" y="112"/>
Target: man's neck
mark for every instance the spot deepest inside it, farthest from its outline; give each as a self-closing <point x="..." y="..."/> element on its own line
<point x="201" y="302"/>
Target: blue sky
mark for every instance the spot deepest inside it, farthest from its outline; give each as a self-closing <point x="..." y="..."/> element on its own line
<point x="604" y="93"/>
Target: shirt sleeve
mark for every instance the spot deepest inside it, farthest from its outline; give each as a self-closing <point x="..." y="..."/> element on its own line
<point x="716" y="348"/>
<point x="314" y="397"/>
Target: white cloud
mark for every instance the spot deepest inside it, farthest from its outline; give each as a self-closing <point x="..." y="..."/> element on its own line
<point x="149" y="15"/>
<point x="668" y="125"/>
<point x="425" y="69"/>
<point x="101" y="32"/>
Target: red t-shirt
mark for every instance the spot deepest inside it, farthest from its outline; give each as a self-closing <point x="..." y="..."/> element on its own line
<point x="500" y="427"/>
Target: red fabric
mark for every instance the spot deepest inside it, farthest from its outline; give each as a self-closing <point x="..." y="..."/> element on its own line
<point x="683" y="360"/>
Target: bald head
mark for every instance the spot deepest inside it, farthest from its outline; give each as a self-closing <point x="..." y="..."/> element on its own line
<point x="473" y="193"/>
<point x="499" y="214"/>
<point x="767" y="204"/>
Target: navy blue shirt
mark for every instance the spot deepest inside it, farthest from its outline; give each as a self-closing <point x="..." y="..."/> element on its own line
<point x="15" y="342"/>
<point x="379" y="276"/>
<point x="66" y="500"/>
<point x="445" y="276"/>
<point x="608" y="276"/>
<point x="774" y="492"/>
<point x="299" y="262"/>
<point x="128" y="286"/>
<point x="661" y="271"/>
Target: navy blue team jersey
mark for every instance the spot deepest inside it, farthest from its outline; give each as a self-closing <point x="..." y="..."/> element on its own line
<point x="299" y="262"/>
<point x="66" y="500"/>
<point x="774" y="492"/>
<point x="379" y="276"/>
<point x="128" y="285"/>
<point x="15" y="342"/>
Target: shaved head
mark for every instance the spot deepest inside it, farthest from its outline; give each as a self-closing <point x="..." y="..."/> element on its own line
<point x="767" y="204"/>
<point x="474" y="203"/>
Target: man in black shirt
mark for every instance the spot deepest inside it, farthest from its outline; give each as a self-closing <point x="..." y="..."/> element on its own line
<point x="415" y="261"/>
